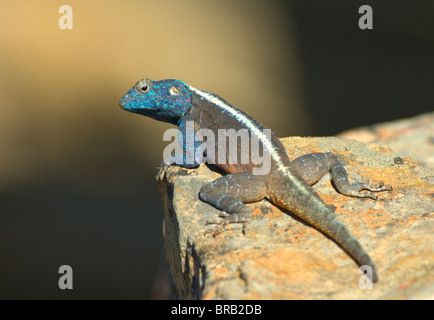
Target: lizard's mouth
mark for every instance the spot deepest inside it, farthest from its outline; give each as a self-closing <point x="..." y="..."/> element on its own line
<point x="124" y="103"/>
<point x="128" y="105"/>
<point x="148" y="112"/>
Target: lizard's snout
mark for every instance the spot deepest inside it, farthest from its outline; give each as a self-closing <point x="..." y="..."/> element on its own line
<point x="124" y="102"/>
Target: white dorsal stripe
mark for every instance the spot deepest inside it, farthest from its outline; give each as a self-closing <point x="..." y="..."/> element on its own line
<point x="248" y="123"/>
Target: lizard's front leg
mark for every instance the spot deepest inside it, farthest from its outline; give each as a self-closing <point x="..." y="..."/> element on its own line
<point x="312" y="167"/>
<point x="191" y="157"/>
<point x="230" y="193"/>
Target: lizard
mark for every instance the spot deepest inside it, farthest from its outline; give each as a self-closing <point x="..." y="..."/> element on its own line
<point x="288" y="182"/>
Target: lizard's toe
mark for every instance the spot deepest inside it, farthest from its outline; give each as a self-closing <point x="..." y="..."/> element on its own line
<point x="376" y="187"/>
<point x="161" y="174"/>
<point x="225" y="218"/>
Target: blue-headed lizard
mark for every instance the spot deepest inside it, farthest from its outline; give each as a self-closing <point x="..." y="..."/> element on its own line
<point x="287" y="184"/>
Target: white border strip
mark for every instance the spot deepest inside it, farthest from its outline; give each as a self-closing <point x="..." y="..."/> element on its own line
<point x="246" y="121"/>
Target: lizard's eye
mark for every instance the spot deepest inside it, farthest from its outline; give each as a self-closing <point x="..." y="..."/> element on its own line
<point x="174" y="91"/>
<point x="143" y="86"/>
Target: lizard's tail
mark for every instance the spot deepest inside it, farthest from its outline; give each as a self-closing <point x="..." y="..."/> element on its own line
<point x="322" y="217"/>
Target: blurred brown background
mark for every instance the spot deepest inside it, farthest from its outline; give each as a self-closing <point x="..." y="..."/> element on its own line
<point x="77" y="173"/>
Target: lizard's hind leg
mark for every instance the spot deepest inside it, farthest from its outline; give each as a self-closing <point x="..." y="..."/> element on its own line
<point x="230" y="193"/>
<point x="312" y="167"/>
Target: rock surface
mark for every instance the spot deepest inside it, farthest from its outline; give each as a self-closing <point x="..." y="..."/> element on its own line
<point x="413" y="137"/>
<point x="277" y="256"/>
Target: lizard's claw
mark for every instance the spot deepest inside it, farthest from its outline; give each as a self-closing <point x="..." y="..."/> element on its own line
<point x="225" y="219"/>
<point x="379" y="187"/>
<point x="220" y="220"/>
<point x="161" y="174"/>
<point x="371" y="188"/>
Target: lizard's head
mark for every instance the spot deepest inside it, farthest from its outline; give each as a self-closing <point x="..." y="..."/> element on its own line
<point x="165" y="100"/>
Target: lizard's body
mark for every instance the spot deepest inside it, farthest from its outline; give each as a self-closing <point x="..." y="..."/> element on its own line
<point x="287" y="184"/>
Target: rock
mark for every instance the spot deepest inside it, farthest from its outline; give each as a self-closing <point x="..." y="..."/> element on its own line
<point x="277" y="256"/>
<point x="413" y="137"/>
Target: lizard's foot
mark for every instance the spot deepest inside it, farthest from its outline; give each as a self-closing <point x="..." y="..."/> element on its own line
<point x="161" y="174"/>
<point x="225" y="219"/>
<point x="375" y="188"/>
<point x="356" y="189"/>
